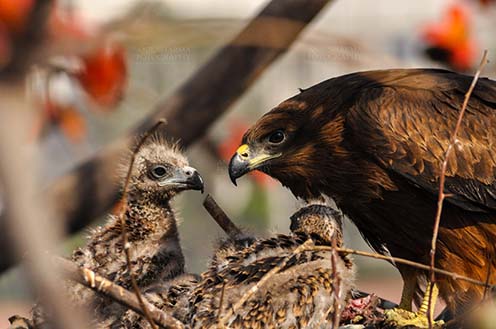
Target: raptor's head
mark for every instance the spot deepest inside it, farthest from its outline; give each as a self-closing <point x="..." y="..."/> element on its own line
<point x="161" y="170"/>
<point x="298" y="143"/>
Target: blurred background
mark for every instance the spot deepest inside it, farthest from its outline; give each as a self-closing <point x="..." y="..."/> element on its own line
<point x="86" y="103"/>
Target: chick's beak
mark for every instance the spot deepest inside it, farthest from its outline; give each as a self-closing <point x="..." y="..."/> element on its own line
<point x="187" y="177"/>
<point x="193" y="180"/>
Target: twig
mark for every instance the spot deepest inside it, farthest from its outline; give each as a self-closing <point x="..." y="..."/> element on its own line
<point x="125" y="243"/>
<point x="336" y="281"/>
<point x="221" y="302"/>
<point x="221" y="218"/>
<point x="488" y="276"/>
<point x="103" y="286"/>
<point x="421" y="266"/>
<point x="442" y="195"/>
<point x="263" y="280"/>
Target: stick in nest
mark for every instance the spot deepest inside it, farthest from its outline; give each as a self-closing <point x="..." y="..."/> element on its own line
<point x="124" y="297"/>
<point x="221" y="218"/>
<point x="123" y="210"/>
<point x="335" y="286"/>
<point x="442" y="195"/>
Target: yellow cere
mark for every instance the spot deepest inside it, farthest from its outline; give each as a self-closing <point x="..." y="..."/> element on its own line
<point x="242" y="149"/>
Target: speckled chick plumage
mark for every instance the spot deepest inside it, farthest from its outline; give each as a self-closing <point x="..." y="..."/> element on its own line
<point x="151" y="225"/>
<point x="300" y="295"/>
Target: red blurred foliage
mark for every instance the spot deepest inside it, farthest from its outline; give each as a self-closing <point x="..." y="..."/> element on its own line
<point x="13" y="22"/>
<point x="101" y="74"/>
<point x="236" y="129"/>
<point x="104" y="75"/>
<point x="67" y="119"/>
<point x="14" y="13"/>
<point x="104" y="71"/>
<point x="452" y="37"/>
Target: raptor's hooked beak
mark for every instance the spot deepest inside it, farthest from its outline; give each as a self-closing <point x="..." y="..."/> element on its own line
<point x="185" y="177"/>
<point x="244" y="160"/>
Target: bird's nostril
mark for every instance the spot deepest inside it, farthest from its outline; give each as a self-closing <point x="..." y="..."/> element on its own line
<point x="189" y="173"/>
<point x="244" y="155"/>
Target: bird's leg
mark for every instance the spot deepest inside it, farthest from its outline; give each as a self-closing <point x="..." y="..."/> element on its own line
<point x="409" y="283"/>
<point x="424" y="307"/>
<point x="403" y="317"/>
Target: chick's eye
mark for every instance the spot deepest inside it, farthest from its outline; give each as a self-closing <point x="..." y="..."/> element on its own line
<point x="158" y="171"/>
<point x="276" y="137"/>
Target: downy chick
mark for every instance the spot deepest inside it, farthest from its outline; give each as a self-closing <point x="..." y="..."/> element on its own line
<point x="160" y="172"/>
<point x="300" y="295"/>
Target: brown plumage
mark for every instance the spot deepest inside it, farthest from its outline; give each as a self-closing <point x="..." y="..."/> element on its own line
<point x="160" y="172"/>
<point x="374" y="142"/>
<point x="300" y="295"/>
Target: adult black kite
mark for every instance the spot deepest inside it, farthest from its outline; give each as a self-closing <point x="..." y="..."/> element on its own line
<point x="374" y="142"/>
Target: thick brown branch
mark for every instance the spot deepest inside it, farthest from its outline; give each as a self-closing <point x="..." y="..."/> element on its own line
<point x="442" y="195"/>
<point x="221" y="218"/>
<point x="107" y="288"/>
<point x="90" y="190"/>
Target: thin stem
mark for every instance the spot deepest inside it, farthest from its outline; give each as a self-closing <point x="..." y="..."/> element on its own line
<point x="336" y="281"/>
<point x="123" y="209"/>
<point x="421" y="266"/>
<point x="442" y="178"/>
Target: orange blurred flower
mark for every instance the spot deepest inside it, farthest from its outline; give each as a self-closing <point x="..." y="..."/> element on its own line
<point x="14" y="13"/>
<point x="72" y="84"/>
<point x="104" y="75"/>
<point x="67" y="119"/>
<point x="452" y="37"/>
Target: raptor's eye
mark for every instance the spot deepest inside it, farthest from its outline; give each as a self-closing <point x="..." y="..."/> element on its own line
<point x="158" y="171"/>
<point x="276" y="137"/>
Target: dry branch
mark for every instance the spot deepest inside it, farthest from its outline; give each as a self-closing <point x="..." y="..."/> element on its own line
<point x="221" y="302"/>
<point x="442" y="177"/>
<point x="336" y="281"/>
<point x="398" y="260"/>
<point x="90" y="190"/>
<point x="109" y="289"/>
<point x="221" y="218"/>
